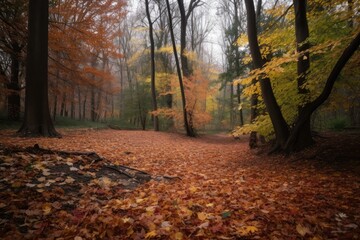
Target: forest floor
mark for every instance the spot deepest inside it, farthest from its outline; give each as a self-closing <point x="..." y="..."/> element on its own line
<point x="211" y="187"/>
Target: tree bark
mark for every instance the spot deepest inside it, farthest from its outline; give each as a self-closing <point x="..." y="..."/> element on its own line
<point x="189" y="130"/>
<point x="306" y="112"/>
<point x="186" y="69"/>
<point x="303" y="64"/>
<point x="277" y="119"/>
<point x="152" y="56"/>
<point x="37" y="121"/>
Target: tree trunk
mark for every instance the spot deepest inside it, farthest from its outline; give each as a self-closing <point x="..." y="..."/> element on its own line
<point x="84" y="107"/>
<point x="253" y="115"/>
<point x="189" y="130"/>
<point x="55" y="107"/>
<point x="63" y="106"/>
<point x="241" y="118"/>
<point x="37" y="121"/>
<point x="186" y="69"/>
<point x="13" y="86"/>
<point x="79" y="102"/>
<point x="92" y="100"/>
<point x="277" y="119"/>
<point x="253" y="141"/>
<point x="152" y="56"/>
<point x="294" y="141"/>
<point x="98" y="107"/>
<point x="232" y="104"/>
<point x="121" y="110"/>
<point x="72" y="107"/>
<point x="303" y="64"/>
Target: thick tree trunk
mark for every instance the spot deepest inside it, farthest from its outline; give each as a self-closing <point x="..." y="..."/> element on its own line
<point x="152" y="56"/>
<point x="277" y="119"/>
<point x="37" y="120"/>
<point x="305" y="114"/>
<point x="303" y="64"/>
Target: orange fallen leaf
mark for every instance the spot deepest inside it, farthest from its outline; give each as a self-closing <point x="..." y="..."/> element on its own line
<point x="201" y="216"/>
<point x="46" y="208"/>
<point x="151" y="234"/>
<point x="178" y="236"/>
<point x="302" y="230"/>
<point x="193" y="189"/>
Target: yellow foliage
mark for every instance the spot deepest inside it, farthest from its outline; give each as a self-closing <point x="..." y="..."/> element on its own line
<point x="242" y="40"/>
<point x="165" y="49"/>
<point x="191" y="56"/>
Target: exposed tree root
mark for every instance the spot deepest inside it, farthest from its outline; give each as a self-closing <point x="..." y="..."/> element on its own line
<point x="96" y="162"/>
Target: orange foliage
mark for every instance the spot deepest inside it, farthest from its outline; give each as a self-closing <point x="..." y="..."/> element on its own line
<point x="81" y="43"/>
<point x="196" y="91"/>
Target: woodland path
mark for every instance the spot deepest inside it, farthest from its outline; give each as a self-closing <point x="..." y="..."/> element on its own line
<point x="225" y="191"/>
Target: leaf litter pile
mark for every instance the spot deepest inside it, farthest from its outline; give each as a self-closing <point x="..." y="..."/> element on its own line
<point x="112" y="184"/>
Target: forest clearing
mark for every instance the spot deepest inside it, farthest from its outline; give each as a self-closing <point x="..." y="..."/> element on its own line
<point x="213" y="187"/>
<point x="180" y="119"/>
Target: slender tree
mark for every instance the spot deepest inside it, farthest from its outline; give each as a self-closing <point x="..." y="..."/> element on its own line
<point x="189" y="130"/>
<point x="37" y="121"/>
<point x="186" y="69"/>
<point x="152" y="56"/>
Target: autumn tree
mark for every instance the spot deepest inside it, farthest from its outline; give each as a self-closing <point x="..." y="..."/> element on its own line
<point x="37" y="119"/>
<point x="289" y="138"/>
<point x="12" y="42"/>
<point x="83" y="57"/>
<point x="188" y="128"/>
<point x="185" y="67"/>
<point x="152" y="56"/>
<point x="164" y="63"/>
<point x="303" y="64"/>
